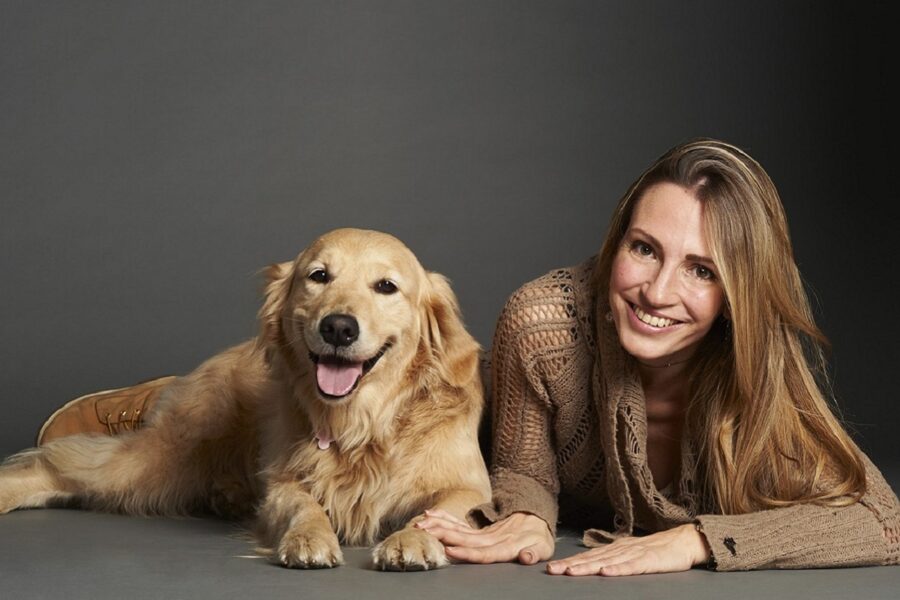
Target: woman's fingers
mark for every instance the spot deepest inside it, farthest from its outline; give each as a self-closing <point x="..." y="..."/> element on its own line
<point x="432" y="522"/>
<point x="487" y="547"/>
<point x="599" y="565"/>
<point x="520" y="536"/>
<point x="604" y="553"/>
<point x="590" y="567"/>
<point x="635" y="566"/>
<point x="509" y="540"/>
<point x="451" y="536"/>
<point x="484" y="555"/>
<point x="531" y="555"/>
<point x="662" y="552"/>
<point x="443" y="514"/>
<point x="443" y="519"/>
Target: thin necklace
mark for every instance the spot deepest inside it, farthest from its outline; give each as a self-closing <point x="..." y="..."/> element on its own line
<point x="668" y="364"/>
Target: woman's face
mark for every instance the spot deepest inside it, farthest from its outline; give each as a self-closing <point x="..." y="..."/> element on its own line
<point x="664" y="289"/>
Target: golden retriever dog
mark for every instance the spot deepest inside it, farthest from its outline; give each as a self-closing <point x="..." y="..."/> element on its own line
<point x="354" y="410"/>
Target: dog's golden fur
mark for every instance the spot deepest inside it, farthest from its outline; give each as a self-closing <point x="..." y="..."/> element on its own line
<point x="238" y="435"/>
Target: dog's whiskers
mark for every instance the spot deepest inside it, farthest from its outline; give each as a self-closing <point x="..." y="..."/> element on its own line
<point x="297" y="337"/>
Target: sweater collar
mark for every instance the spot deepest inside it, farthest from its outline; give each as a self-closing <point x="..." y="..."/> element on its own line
<point x="619" y="400"/>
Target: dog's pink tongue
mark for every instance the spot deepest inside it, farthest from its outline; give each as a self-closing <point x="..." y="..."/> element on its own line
<point x="338" y="379"/>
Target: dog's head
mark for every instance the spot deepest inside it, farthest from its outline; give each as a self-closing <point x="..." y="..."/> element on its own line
<point x="356" y="311"/>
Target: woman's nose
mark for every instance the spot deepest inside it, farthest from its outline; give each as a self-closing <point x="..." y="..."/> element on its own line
<point x="660" y="288"/>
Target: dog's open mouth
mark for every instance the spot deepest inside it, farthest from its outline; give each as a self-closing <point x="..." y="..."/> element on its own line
<point x="337" y="377"/>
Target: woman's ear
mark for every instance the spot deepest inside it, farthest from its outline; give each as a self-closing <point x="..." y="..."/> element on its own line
<point x="454" y="350"/>
<point x="278" y="279"/>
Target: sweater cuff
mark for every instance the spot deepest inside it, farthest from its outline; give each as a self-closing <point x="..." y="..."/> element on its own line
<point x="796" y="537"/>
<point x="514" y="493"/>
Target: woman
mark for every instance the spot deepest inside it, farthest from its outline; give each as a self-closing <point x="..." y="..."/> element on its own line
<point x="675" y="386"/>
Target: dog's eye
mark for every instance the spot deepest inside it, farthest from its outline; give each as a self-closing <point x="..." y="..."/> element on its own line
<point x="385" y="286"/>
<point x="319" y="276"/>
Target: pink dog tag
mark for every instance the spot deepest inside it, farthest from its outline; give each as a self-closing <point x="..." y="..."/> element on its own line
<point x="324" y="440"/>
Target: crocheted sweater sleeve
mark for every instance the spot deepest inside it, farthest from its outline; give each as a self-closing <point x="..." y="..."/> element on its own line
<point x="523" y="473"/>
<point x="808" y="535"/>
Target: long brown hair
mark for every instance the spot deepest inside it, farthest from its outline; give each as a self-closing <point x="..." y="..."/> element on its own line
<point x="760" y="399"/>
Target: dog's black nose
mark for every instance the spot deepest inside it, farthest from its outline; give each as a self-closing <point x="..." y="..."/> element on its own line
<point x="339" y="330"/>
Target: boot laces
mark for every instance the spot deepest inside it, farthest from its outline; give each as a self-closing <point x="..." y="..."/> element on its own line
<point x="120" y="422"/>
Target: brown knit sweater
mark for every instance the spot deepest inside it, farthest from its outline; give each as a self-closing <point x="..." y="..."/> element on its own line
<point x="570" y="436"/>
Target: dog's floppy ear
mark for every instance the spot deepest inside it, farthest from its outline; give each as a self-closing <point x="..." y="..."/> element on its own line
<point x="278" y="278"/>
<point x="454" y="350"/>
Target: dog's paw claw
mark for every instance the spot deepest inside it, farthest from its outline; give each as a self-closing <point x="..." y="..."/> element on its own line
<point x="302" y="551"/>
<point x="409" y="550"/>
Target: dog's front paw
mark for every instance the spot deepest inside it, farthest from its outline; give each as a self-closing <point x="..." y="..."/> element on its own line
<point x="409" y="550"/>
<point x="309" y="549"/>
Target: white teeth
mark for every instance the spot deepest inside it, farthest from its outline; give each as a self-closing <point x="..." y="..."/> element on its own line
<point x="651" y="320"/>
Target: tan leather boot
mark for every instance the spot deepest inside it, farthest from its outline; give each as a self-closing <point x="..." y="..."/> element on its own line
<point x="109" y="412"/>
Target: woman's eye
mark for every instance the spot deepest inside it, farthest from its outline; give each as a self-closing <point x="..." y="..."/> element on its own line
<point x="703" y="273"/>
<point x="319" y="276"/>
<point x="385" y="286"/>
<point x="642" y="249"/>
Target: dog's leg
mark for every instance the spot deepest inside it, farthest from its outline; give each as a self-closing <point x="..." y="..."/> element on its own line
<point x="67" y="468"/>
<point x="458" y="502"/>
<point x="131" y="473"/>
<point x="413" y="549"/>
<point x="297" y="529"/>
<point x="26" y="482"/>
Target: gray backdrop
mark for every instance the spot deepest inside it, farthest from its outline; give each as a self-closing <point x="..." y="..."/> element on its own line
<point x="155" y="155"/>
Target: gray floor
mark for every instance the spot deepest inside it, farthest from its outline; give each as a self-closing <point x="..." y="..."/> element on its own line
<point x="79" y="554"/>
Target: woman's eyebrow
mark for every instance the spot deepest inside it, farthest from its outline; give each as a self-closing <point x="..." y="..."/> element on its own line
<point x="698" y="258"/>
<point x="655" y="242"/>
<point x="647" y="235"/>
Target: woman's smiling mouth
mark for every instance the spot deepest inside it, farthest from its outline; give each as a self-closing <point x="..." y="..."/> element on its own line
<point x="652" y="320"/>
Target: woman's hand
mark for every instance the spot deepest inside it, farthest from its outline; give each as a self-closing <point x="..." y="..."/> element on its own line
<point x="521" y="536"/>
<point x="676" y="549"/>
